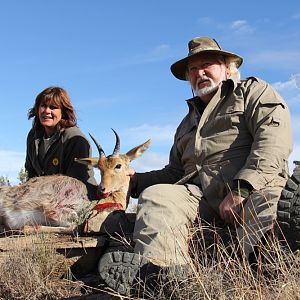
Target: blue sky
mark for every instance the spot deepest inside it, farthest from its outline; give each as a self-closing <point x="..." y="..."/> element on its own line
<point x="114" y="57"/>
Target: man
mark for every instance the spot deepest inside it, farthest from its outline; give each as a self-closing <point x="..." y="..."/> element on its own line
<point x="230" y="157"/>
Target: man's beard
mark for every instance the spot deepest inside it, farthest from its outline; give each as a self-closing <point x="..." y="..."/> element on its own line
<point x="207" y="89"/>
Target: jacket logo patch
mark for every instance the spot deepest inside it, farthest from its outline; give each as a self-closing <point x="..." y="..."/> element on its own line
<point x="55" y="161"/>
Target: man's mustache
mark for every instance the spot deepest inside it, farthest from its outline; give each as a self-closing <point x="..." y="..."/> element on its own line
<point x="202" y="79"/>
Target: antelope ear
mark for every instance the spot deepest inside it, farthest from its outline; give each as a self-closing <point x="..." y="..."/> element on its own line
<point x="88" y="161"/>
<point x="138" y="150"/>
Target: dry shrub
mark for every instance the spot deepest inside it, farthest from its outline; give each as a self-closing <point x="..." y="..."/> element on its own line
<point x="34" y="273"/>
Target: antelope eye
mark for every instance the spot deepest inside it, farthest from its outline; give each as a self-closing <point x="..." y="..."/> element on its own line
<point x="118" y="166"/>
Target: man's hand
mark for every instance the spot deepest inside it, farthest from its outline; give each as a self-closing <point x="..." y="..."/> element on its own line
<point x="130" y="172"/>
<point x="230" y="207"/>
<point x="133" y="180"/>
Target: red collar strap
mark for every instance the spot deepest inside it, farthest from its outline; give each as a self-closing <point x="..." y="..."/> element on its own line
<point x="103" y="206"/>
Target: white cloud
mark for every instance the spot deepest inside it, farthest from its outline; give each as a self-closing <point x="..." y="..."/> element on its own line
<point x="283" y="86"/>
<point x="150" y="161"/>
<point x="291" y="93"/>
<point x="290" y="90"/>
<point x="157" y="53"/>
<point x="158" y="134"/>
<point x="296" y="16"/>
<point x="206" y="20"/>
<point x="11" y="163"/>
<point x="161" y="49"/>
<point x="283" y="59"/>
<point x="295" y="78"/>
<point x="238" y="24"/>
<point x="241" y="27"/>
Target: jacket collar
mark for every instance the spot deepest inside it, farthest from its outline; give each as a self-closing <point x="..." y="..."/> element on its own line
<point x="39" y="133"/>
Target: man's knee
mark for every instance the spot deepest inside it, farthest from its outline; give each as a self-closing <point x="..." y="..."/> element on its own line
<point x="158" y="188"/>
<point x="157" y="194"/>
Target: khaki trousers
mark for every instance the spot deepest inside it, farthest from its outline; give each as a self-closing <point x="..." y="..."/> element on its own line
<point x="165" y="213"/>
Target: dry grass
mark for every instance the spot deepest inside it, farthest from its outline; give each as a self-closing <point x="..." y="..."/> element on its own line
<point x="218" y="272"/>
<point x="35" y="273"/>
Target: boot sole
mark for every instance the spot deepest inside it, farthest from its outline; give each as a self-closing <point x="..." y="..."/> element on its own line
<point x="119" y="270"/>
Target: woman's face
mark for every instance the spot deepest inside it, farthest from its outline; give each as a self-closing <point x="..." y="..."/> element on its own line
<point x="49" y="116"/>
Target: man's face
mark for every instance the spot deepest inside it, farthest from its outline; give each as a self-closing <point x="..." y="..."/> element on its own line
<point x="205" y="73"/>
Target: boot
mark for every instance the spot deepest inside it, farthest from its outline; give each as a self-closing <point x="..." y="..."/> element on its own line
<point x="132" y="275"/>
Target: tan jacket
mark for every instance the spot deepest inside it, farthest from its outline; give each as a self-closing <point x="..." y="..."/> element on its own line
<point x="243" y="133"/>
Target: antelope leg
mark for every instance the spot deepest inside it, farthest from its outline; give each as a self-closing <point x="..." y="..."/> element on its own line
<point x="28" y="229"/>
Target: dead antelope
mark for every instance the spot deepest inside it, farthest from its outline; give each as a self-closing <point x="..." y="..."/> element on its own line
<point x="54" y="200"/>
<point x="114" y="188"/>
<point x="62" y="201"/>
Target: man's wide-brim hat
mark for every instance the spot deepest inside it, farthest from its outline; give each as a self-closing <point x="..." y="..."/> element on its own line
<point x="200" y="45"/>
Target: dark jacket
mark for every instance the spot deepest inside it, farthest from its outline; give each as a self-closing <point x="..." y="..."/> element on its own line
<point x="68" y="144"/>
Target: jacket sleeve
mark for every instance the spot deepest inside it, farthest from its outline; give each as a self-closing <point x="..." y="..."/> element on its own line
<point x="28" y="160"/>
<point x="269" y="123"/>
<point x="78" y="147"/>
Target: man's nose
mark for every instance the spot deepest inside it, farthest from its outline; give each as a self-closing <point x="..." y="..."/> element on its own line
<point x="200" y="72"/>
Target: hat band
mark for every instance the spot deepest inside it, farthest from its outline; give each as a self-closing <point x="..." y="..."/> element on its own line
<point x="197" y="50"/>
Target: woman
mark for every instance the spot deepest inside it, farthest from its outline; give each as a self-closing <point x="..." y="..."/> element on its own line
<point x="55" y="140"/>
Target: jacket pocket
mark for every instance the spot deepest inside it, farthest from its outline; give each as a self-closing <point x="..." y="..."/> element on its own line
<point x="229" y="117"/>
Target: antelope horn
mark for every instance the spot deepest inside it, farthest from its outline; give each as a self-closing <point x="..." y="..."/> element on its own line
<point x="100" y="150"/>
<point x="116" y="151"/>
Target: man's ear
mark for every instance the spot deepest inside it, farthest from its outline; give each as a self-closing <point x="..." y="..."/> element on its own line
<point x="228" y="71"/>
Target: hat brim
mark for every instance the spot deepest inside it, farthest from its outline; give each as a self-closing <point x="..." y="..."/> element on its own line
<point x="178" y="69"/>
